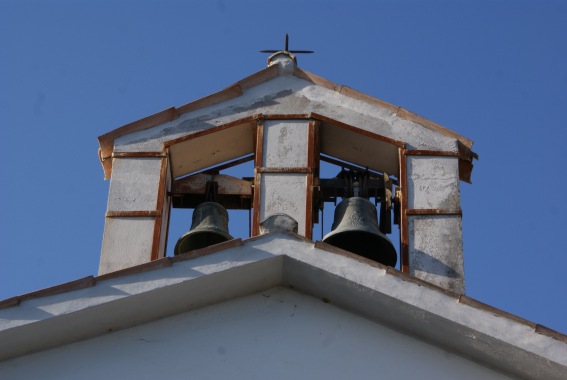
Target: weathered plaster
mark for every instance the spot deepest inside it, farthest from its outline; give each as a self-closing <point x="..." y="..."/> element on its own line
<point x="290" y="95"/>
<point x="134" y="184"/>
<point x="436" y="250"/>
<point x="285" y="144"/>
<point x="134" y="187"/>
<point x="286" y="62"/>
<point x="126" y="242"/>
<point x="284" y="193"/>
<point x="433" y="183"/>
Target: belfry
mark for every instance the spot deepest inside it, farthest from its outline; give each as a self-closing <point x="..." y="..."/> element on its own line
<point x="384" y="284"/>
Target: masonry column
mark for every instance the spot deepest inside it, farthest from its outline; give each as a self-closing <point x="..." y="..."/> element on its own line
<point x="137" y="214"/>
<point x="434" y="218"/>
<point x="283" y="178"/>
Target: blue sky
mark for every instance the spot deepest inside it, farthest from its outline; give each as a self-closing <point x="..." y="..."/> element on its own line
<point x="493" y="71"/>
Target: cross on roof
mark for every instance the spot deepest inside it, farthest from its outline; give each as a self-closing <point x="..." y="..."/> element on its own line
<point x="286" y="49"/>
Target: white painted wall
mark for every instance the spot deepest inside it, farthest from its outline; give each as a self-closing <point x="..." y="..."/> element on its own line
<point x="436" y="250"/>
<point x="284" y="193"/>
<point x="433" y="183"/>
<point x="277" y="334"/>
<point x="435" y="241"/>
<point x="134" y="184"/>
<point x="127" y="241"/>
<point x="284" y="146"/>
<point x="289" y="95"/>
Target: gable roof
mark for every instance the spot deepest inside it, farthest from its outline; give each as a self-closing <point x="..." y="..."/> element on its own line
<point x="237" y="90"/>
<point x="96" y="305"/>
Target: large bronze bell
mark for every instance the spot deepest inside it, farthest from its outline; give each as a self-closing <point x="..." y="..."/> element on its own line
<point x="209" y="226"/>
<point x="356" y="229"/>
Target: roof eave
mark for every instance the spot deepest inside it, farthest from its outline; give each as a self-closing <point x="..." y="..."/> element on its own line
<point x="238" y="268"/>
<point x="106" y="141"/>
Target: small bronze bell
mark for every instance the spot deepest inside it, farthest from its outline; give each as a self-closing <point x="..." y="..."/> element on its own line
<point x="356" y="229"/>
<point x="209" y="226"/>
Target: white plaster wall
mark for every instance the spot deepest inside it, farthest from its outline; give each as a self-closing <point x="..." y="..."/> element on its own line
<point x="277" y="334"/>
<point x="126" y="242"/>
<point x="435" y="242"/>
<point x="290" y="95"/>
<point x="436" y="250"/>
<point x="285" y="144"/>
<point x="284" y="193"/>
<point x="433" y="183"/>
<point x="134" y="184"/>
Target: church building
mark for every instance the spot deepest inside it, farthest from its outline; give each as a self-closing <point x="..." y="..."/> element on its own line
<point x="381" y="295"/>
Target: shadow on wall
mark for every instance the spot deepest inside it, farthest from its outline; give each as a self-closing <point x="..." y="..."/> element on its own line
<point x="432" y="265"/>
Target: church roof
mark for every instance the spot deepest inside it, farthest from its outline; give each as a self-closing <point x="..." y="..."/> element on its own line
<point x="387" y="113"/>
<point x="94" y="306"/>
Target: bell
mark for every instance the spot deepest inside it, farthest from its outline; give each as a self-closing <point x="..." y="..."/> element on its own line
<point x="209" y="226"/>
<point x="356" y="229"/>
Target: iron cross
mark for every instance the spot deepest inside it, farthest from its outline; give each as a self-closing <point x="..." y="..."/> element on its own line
<point x="286" y="49"/>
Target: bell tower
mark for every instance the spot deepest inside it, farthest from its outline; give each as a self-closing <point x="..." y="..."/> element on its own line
<point x="398" y="174"/>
